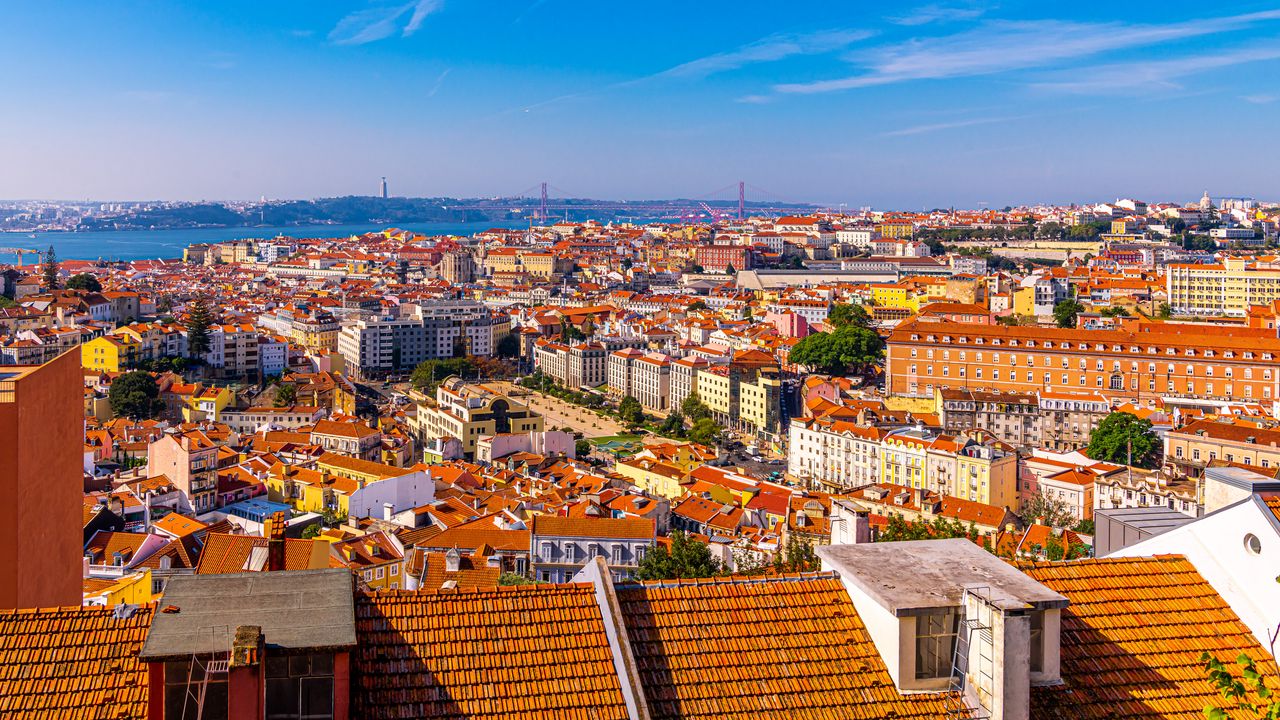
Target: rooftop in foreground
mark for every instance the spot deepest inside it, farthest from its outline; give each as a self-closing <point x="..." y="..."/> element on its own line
<point x="939" y="572"/>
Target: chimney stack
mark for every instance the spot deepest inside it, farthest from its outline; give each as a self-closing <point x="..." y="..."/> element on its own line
<point x="274" y="531"/>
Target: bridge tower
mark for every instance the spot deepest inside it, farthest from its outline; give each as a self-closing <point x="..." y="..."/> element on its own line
<point x="542" y="210"/>
<point x="742" y="200"/>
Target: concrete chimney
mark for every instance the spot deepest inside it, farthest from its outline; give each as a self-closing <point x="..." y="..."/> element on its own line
<point x="273" y="529"/>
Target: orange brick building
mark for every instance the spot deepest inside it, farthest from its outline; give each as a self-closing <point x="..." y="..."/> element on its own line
<point x="41" y="480"/>
<point x="1181" y="364"/>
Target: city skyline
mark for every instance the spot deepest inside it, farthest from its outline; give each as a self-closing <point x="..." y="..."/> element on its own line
<point x="928" y="105"/>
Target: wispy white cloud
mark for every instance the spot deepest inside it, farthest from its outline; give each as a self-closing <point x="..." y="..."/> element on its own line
<point x="382" y="21"/>
<point x="755" y="99"/>
<point x="1153" y="75"/>
<point x="1004" y="46"/>
<point x="770" y="49"/>
<point x="1260" y="99"/>
<point x="939" y="13"/>
<point x="936" y="127"/>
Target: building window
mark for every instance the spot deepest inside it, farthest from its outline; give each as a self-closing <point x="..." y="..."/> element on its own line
<point x="935" y="644"/>
<point x="179" y="703"/>
<point x="1037" y="641"/>
<point x="299" y="687"/>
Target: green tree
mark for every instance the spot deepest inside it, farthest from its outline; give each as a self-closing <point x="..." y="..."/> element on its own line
<point x="312" y="531"/>
<point x="135" y="395"/>
<point x="730" y="269"/>
<point x="581" y="449"/>
<point x="673" y="425"/>
<point x="84" y="281"/>
<point x="693" y="407"/>
<point x="430" y="373"/>
<point x="1250" y="693"/>
<point x="510" y="578"/>
<point x="286" y="395"/>
<point x="50" y="270"/>
<point x="695" y="269"/>
<point x="1066" y="311"/>
<point x="630" y="411"/>
<point x="704" y="431"/>
<point x="898" y="529"/>
<point x="1045" y="510"/>
<point x="1165" y="311"/>
<point x="796" y="556"/>
<point x="846" y="314"/>
<point x="508" y="346"/>
<point x="1124" y="438"/>
<point x="569" y="332"/>
<point x="199" y="318"/>
<point x="835" y="352"/>
<point x="686" y="558"/>
<point x="1115" y="311"/>
<point x="7" y="302"/>
<point x="697" y="305"/>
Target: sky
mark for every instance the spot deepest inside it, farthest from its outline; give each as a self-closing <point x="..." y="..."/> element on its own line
<point x="888" y="105"/>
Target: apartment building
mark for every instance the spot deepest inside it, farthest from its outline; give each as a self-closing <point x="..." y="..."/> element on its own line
<point x="752" y="377"/>
<point x="561" y="546"/>
<point x="572" y="366"/>
<point x="836" y="456"/>
<point x="469" y="412"/>
<point x="684" y="377"/>
<point x="190" y="460"/>
<point x="1192" y="447"/>
<point x="644" y="376"/>
<point x="1227" y="288"/>
<point x="1190" y="365"/>
<point x="374" y="347"/>
<point x="1058" y="421"/>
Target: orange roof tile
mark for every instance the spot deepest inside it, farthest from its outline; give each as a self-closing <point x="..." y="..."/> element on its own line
<point x="781" y="648"/>
<point x="509" y="652"/>
<point x="1132" y="639"/>
<point x="73" y="663"/>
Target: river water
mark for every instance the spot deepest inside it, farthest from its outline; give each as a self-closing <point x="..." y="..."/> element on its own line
<point x="163" y="244"/>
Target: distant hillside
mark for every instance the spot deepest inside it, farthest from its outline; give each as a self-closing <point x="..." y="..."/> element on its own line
<point x="355" y="210"/>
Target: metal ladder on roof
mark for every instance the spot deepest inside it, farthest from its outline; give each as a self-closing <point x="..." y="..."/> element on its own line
<point x="196" y="690"/>
<point x="973" y="633"/>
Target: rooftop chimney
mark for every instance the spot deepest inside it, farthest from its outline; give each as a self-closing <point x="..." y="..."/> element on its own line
<point x="452" y="560"/>
<point x="273" y="529"/>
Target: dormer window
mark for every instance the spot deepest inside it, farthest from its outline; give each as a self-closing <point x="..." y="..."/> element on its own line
<point x="935" y="644"/>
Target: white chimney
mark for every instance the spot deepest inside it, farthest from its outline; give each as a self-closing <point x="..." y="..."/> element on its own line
<point x="387" y="511"/>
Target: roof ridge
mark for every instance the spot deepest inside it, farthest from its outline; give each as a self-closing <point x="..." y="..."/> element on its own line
<point x="728" y="580"/>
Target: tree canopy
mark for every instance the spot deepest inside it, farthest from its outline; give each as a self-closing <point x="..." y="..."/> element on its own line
<point x="1046" y="510"/>
<point x="835" y="352"/>
<point x="84" y="281"/>
<point x="704" y="431"/>
<point x="286" y="395"/>
<point x="135" y="395"/>
<point x="50" y="270"/>
<point x="845" y="315"/>
<point x="199" y="318"/>
<point x="1124" y="438"/>
<point x="430" y="373"/>
<point x="685" y="559"/>
<point x="1065" y="312"/>
<point x="673" y="425"/>
<point x="693" y="408"/>
<point x="508" y="346"/>
<point x="630" y="410"/>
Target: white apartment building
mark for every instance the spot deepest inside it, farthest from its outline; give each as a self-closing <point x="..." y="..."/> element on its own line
<point x="572" y="366"/>
<point x="684" y="378"/>
<point x="834" y="455"/>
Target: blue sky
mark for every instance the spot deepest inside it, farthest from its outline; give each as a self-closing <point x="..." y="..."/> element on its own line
<point x="885" y="104"/>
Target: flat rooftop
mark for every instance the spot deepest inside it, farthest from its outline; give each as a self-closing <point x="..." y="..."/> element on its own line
<point x="916" y="576"/>
<point x="1151" y="519"/>
<point x="297" y="610"/>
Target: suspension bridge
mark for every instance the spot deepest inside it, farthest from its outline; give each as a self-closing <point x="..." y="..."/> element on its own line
<point x="714" y="205"/>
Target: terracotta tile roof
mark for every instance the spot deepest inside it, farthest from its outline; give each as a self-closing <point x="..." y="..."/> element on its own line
<point x="226" y="553"/>
<point x="509" y="652"/>
<point x="594" y="527"/>
<point x="472" y="572"/>
<point x="72" y="663"/>
<point x="782" y="648"/>
<point x="1132" y="639"/>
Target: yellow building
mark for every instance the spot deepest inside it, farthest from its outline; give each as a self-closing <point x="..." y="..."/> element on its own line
<point x="903" y="459"/>
<point x="1228" y="288"/>
<point x="377" y="559"/>
<point x="207" y="403"/>
<point x="715" y="389"/>
<point x="361" y="471"/>
<point x="898" y="295"/>
<point x="652" y="476"/>
<point x="1024" y="302"/>
<point x="897" y="230"/>
<point x="760" y="403"/>
<point x="310" y="490"/>
<point x="134" y="589"/>
<point x="111" y="353"/>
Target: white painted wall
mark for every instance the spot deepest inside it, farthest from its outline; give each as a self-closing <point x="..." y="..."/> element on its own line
<point x="405" y="492"/>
